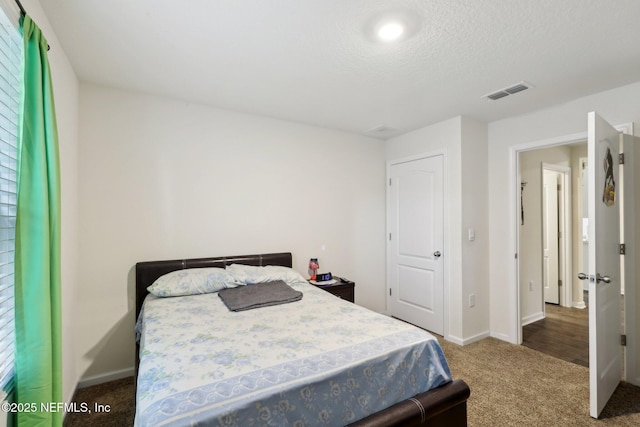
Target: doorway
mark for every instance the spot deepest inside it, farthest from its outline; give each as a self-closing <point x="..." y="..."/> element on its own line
<point x="555" y="327"/>
<point x="563" y="329"/>
<point x="548" y="223"/>
<point x="556" y="223"/>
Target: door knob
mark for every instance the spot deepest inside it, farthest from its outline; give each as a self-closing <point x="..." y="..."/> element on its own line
<point x="437" y="254"/>
<point x="599" y="278"/>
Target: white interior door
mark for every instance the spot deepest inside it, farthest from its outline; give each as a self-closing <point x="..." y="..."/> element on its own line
<point x="605" y="355"/>
<point x="415" y="224"/>
<point x="630" y="259"/>
<point x="550" y="229"/>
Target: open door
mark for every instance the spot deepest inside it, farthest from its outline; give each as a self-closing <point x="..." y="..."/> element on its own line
<point x="550" y="236"/>
<point x="605" y="355"/>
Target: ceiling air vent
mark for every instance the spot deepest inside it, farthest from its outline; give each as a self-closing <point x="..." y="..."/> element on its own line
<point x="497" y="95"/>
<point x="508" y="91"/>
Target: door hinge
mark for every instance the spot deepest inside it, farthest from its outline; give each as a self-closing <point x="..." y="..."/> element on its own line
<point x="389" y="291"/>
<point x="623" y="249"/>
<point x="389" y="181"/>
<point x="559" y="282"/>
<point x="389" y="236"/>
<point x="516" y="256"/>
<point x="623" y="340"/>
<point x="621" y="158"/>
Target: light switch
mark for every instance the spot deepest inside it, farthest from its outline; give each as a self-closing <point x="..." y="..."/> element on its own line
<point x="471" y="232"/>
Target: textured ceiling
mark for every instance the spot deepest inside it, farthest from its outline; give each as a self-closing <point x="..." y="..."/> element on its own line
<point x="314" y="61"/>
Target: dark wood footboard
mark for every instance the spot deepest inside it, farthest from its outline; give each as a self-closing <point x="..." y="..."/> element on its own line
<point x="445" y="406"/>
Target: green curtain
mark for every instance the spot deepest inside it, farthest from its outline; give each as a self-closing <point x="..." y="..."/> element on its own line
<point x="38" y="365"/>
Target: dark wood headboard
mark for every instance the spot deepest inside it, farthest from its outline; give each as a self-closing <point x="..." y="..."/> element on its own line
<point x="147" y="272"/>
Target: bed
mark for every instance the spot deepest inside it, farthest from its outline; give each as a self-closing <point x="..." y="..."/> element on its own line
<point x="317" y="361"/>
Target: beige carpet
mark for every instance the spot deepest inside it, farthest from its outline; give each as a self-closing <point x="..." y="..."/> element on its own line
<point x="512" y="385"/>
<point x="119" y="395"/>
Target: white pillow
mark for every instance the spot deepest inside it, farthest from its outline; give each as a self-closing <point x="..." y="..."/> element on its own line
<point x="192" y="281"/>
<point x="250" y="274"/>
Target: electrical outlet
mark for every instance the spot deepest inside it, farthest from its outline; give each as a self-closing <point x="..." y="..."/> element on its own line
<point x="472" y="300"/>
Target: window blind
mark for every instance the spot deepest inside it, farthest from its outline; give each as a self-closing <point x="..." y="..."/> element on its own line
<point x="10" y="56"/>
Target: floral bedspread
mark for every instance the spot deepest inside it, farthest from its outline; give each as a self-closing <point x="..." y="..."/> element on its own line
<point x="318" y="361"/>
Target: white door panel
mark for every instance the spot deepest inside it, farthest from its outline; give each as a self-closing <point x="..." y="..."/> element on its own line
<point x="415" y="194"/>
<point x="417" y="287"/>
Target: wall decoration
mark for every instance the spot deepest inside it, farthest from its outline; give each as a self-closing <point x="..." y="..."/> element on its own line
<point x="609" y="194"/>
<point x="522" y="185"/>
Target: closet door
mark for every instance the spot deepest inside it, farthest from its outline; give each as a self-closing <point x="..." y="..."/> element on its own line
<point x="414" y="252"/>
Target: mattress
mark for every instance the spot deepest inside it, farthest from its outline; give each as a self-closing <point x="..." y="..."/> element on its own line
<point x="317" y="361"/>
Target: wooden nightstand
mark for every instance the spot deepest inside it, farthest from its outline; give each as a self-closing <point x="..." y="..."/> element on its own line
<point x="344" y="290"/>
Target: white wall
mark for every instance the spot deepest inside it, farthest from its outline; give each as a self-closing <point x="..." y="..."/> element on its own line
<point x="475" y="215"/>
<point x="164" y="179"/>
<point x="617" y="106"/>
<point x="465" y="263"/>
<point x="65" y="86"/>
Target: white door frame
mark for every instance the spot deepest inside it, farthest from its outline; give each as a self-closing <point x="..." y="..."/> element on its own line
<point x="565" y="254"/>
<point x="630" y="369"/>
<point x="630" y="186"/>
<point x="446" y="267"/>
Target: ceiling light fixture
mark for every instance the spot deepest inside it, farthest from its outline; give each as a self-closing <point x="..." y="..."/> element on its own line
<point x="390" y="31"/>
<point x="391" y="26"/>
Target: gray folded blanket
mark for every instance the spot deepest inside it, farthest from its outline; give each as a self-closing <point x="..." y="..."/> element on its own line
<point x="259" y="295"/>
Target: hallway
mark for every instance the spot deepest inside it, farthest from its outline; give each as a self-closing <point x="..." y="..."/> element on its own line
<point x="564" y="334"/>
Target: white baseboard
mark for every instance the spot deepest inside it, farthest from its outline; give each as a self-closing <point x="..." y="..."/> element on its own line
<point x="532" y="318"/>
<point x="580" y="305"/>
<point x="468" y="340"/>
<point x="454" y="339"/>
<point x="476" y="337"/>
<point x="502" y="337"/>
<point x="104" y="378"/>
